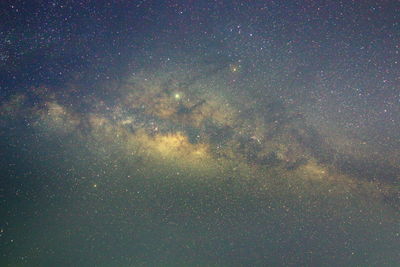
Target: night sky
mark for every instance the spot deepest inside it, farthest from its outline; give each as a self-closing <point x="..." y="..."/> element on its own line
<point x="199" y="133"/>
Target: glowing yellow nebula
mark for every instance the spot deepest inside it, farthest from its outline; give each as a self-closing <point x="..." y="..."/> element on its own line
<point x="174" y="146"/>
